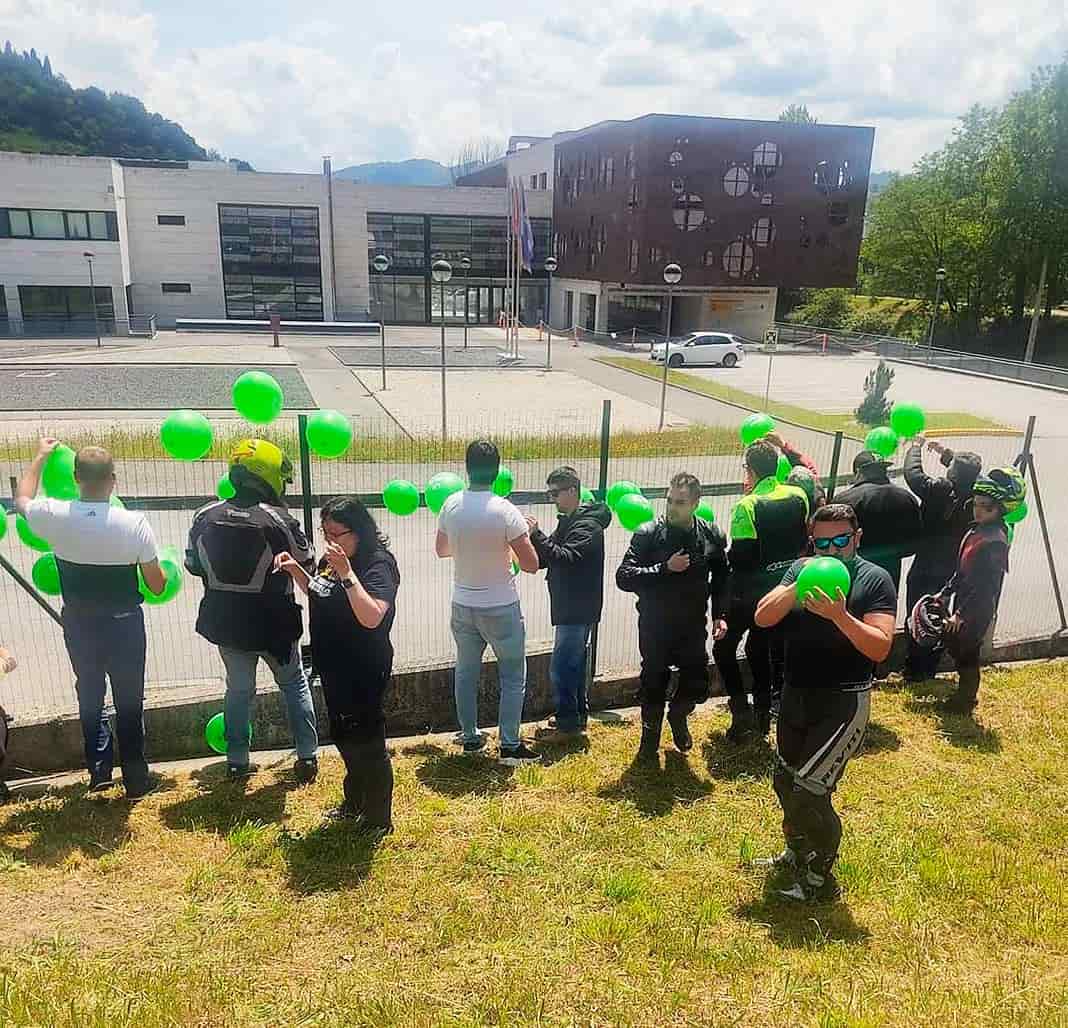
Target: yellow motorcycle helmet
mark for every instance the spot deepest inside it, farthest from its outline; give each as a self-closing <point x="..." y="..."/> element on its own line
<point x="264" y="460"/>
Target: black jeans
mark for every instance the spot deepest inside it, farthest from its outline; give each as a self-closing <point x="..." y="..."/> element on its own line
<point x="664" y="645"/>
<point x="725" y="651"/>
<point x="105" y="647"/>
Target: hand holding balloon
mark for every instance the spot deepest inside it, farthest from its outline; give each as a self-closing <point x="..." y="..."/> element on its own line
<point x="46" y="445"/>
<point x="819" y="603"/>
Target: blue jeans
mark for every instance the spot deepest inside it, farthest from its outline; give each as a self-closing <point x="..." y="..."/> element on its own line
<point x="567" y="669"/>
<point x="503" y="629"/>
<point x="103" y="647"/>
<point x="241" y="688"/>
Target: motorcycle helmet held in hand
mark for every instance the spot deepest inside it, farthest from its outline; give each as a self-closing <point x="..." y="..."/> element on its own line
<point x="927" y="621"/>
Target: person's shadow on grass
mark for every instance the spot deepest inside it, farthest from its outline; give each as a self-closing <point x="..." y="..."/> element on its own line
<point x="220" y="804"/>
<point x="456" y="774"/>
<point x="553" y="746"/>
<point x="655" y="791"/>
<point x="878" y="739"/>
<point x="794" y="925"/>
<point x="753" y="759"/>
<point x="334" y="856"/>
<point x="962" y="730"/>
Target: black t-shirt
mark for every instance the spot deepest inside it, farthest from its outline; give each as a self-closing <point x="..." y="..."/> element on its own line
<point x="339" y="642"/>
<point x="818" y="655"/>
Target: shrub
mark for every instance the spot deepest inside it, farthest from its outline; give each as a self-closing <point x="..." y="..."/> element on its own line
<point x="874" y="321"/>
<point x="824" y="308"/>
<point x="874" y="408"/>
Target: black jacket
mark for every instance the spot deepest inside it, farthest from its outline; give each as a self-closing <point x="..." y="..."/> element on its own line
<point x="573" y="557"/>
<point x="945" y="515"/>
<point x="672" y="597"/>
<point x="889" y="517"/>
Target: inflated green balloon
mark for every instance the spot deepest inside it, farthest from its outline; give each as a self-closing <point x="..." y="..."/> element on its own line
<point x="171" y="566"/>
<point x="329" y="433"/>
<point x="783" y="468"/>
<point x="882" y="441"/>
<point x="440" y="488"/>
<point x="45" y="575"/>
<point x="1010" y="531"/>
<point x="755" y="427"/>
<point x="633" y="510"/>
<point x="116" y="502"/>
<point x="504" y="482"/>
<point x="28" y="537"/>
<point x="57" y="475"/>
<point x="826" y="573"/>
<point x="215" y="733"/>
<point x="1014" y="517"/>
<point x="401" y="497"/>
<point x="617" y="490"/>
<point x="705" y="512"/>
<point x="186" y="435"/>
<point x="224" y="489"/>
<point x="586" y="496"/>
<point x="3" y="524"/>
<point x="257" y="396"/>
<point x="907" y="419"/>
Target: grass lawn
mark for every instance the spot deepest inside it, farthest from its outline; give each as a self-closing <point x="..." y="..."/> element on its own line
<point x="937" y="421"/>
<point x="581" y="892"/>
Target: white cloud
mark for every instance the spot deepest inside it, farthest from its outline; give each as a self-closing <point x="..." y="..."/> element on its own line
<point x="380" y="82"/>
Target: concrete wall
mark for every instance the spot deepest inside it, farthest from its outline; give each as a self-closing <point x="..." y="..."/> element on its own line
<point x="580" y="288"/>
<point x="744" y="311"/>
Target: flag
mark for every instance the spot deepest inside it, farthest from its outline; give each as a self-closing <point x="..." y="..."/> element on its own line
<point x="526" y="232"/>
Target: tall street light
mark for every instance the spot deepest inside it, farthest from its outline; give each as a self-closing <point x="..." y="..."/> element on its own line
<point x="550" y="267"/>
<point x="442" y="271"/>
<point x="465" y="267"/>
<point x="940" y="277"/>
<point x="672" y="276"/>
<point x="89" y="255"/>
<point x="381" y="265"/>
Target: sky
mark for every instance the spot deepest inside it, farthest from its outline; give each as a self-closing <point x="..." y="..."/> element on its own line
<point x="280" y="84"/>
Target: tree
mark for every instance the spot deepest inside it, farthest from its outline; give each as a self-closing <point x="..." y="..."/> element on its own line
<point x="798" y="115"/>
<point x="874" y="409"/>
<point x="475" y="154"/>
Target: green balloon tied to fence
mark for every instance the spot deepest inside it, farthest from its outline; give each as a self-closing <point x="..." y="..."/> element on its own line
<point x="224" y="489"/>
<point x="45" y="575"/>
<point x="882" y="441"/>
<point x="633" y="510"/>
<point x="907" y="419"/>
<point x="827" y="574"/>
<point x="705" y="512"/>
<point x="783" y="468"/>
<point x="1014" y="517"/>
<point x="257" y="397"/>
<point x="401" y="497"/>
<point x="504" y="483"/>
<point x="186" y="435"/>
<point x="28" y="537"/>
<point x="617" y="490"/>
<point x="755" y="427"/>
<point x="170" y="563"/>
<point x="440" y="488"/>
<point x="329" y="433"/>
<point x="215" y="733"/>
<point x="57" y="475"/>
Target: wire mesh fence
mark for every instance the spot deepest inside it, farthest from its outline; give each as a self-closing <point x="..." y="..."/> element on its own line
<point x="182" y="665"/>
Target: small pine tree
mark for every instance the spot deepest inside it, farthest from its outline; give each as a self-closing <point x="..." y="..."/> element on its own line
<point x="874" y="409"/>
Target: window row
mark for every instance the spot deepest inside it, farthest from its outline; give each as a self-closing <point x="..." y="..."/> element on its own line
<point x="16" y="223"/>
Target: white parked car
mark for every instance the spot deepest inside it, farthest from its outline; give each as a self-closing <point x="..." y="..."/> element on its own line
<point x="720" y="348"/>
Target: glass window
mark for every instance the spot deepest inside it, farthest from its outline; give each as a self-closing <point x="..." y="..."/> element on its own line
<point x="20" y="223"/>
<point x="176" y="287"/>
<point x="170" y="219"/>
<point x="48" y="225"/>
<point x="98" y="225"/>
<point x="77" y="225"/>
<point x="411" y="299"/>
<point x="634" y="256"/>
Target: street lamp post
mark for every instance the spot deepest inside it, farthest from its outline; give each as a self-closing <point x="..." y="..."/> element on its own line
<point x="88" y="255"/>
<point x="672" y="276"/>
<point x="441" y="271"/>
<point x="381" y="265"/>
<point x="940" y="277"/>
<point x="465" y="267"/>
<point x="550" y="267"/>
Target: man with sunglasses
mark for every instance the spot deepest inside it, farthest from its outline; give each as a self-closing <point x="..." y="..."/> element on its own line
<point x="832" y="646"/>
<point x="573" y="557"/>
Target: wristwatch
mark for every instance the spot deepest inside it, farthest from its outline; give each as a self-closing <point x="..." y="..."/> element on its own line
<point x="349" y="582"/>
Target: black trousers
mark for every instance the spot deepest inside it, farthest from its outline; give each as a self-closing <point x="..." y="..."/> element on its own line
<point x="664" y="645"/>
<point x="919" y="662"/>
<point x="757" y="652"/>
<point x="818" y="731"/>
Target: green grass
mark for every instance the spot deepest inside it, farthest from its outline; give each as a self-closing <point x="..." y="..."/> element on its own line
<point x="937" y="421"/>
<point x="580" y="892"/>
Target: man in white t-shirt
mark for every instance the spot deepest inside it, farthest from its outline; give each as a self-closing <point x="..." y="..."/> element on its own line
<point x="481" y="531"/>
<point x="99" y="549"/>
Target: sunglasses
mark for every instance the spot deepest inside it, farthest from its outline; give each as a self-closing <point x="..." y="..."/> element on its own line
<point x="554" y="493"/>
<point x="840" y="542"/>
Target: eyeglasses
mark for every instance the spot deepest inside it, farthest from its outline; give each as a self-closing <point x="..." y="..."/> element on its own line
<point x="840" y="542"/>
<point x="554" y="492"/>
<point x="332" y="537"/>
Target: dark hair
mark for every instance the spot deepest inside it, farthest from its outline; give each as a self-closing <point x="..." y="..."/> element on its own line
<point x="762" y="459"/>
<point x="564" y="476"/>
<point x="350" y="512"/>
<point x="684" y="480"/>
<point x="483" y="461"/>
<point x="93" y="464"/>
<point x="837" y="512"/>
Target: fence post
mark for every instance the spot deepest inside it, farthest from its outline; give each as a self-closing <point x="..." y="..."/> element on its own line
<point x="305" y="475"/>
<point x="602" y="487"/>
<point x="1045" y="539"/>
<point x="1024" y="460"/>
<point x="835" y="457"/>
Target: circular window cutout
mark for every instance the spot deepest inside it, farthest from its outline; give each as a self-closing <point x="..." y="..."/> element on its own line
<point x="736" y="181"/>
<point x="688" y="210"/>
<point x="738" y="259"/>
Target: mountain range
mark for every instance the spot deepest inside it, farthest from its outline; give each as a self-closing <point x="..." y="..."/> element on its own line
<point x="415" y="172"/>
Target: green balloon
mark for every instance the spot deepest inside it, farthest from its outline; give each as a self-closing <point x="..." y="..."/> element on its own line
<point x="257" y="396"/>
<point x="755" y="427"/>
<point x="1014" y="517"/>
<point x="705" y="512"/>
<point x="329" y="433"/>
<point x="3" y="524"/>
<point x="617" y="490"/>
<point x="225" y="488"/>
<point x="116" y="502"/>
<point x="907" y="420"/>
<point x="504" y="482"/>
<point x="826" y="573"/>
<point x="633" y="510"/>
<point x="57" y="475"/>
<point x="186" y="435"/>
<point x="215" y="733"/>
<point x="783" y="468"/>
<point x="171" y="565"/>
<point x="882" y="441"/>
<point x="45" y="575"/>
<point x="26" y="534"/>
<point x="401" y="497"/>
<point x="1010" y="531"/>
<point x="586" y="496"/>
<point x="440" y="488"/>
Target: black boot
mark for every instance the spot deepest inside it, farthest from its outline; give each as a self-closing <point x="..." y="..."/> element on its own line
<point x="680" y="730"/>
<point x="743" y="723"/>
<point x="652" y="722"/>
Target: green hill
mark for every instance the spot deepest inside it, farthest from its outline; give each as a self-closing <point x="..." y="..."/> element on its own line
<point x="416" y="172"/>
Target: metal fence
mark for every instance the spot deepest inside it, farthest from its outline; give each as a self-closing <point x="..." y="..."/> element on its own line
<point x="181" y="665"/>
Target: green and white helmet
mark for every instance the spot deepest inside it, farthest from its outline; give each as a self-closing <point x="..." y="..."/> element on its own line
<point x="1005" y="485"/>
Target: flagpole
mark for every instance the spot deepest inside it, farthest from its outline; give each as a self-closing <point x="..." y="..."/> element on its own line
<point x="507" y="262"/>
